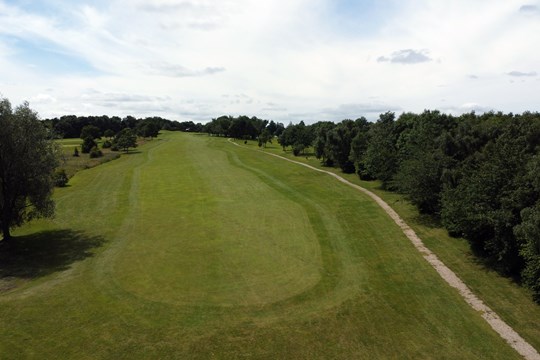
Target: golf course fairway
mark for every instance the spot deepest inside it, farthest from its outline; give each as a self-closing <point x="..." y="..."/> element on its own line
<point x="192" y="248"/>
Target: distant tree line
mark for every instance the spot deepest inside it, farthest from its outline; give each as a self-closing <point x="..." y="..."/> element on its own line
<point x="71" y="126"/>
<point x="246" y="128"/>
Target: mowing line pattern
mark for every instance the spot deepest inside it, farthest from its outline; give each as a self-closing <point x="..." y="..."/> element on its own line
<point x="492" y="318"/>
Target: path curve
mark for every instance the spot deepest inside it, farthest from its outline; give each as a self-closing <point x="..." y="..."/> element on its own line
<point x="502" y="328"/>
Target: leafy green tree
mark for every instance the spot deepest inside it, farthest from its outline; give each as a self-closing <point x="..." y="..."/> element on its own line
<point x="492" y="189"/>
<point x="109" y="133"/>
<point x="528" y="234"/>
<point x="322" y="152"/>
<point x="28" y="158"/>
<point x="422" y="159"/>
<point x="265" y="137"/>
<point x="148" y="129"/>
<point x="298" y="136"/>
<point x="88" y="144"/>
<point x="126" y="139"/>
<point x="60" y="178"/>
<point x="90" y="131"/>
<point x="381" y="157"/>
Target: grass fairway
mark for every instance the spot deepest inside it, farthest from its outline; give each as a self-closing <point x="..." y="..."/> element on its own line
<point x="195" y="248"/>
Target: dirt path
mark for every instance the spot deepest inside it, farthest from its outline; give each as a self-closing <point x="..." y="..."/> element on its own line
<point x="503" y="329"/>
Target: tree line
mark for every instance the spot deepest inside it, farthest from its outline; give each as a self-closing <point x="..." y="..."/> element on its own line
<point x="477" y="175"/>
<point x="244" y="127"/>
<point x="71" y="126"/>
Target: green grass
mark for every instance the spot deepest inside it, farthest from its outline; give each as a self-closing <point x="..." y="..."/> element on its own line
<point x="195" y="248"/>
<point x="511" y="301"/>
<point x="72" y="164"/>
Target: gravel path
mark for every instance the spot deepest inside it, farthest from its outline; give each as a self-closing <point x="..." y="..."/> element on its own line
<point x="503" y="329"/>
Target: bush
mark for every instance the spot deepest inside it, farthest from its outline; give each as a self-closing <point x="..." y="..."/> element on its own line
<point x="60" y="178"/>
<point x="298" y="149"/>
<point x="106" y="144"/>
<point x="95" y="153"/>
<point x="76" y="152"/>
<point x="88" y="144"/>
<point x="114" y="147"/>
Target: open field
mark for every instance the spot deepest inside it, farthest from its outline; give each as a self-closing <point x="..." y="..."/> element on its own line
<point x="194" y="248"/>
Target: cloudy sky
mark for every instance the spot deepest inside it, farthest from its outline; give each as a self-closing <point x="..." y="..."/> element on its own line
<point x="286" y="60"/>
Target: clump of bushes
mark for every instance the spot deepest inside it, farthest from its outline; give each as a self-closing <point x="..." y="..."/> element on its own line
<point x="88" y="144"/>
<point x="60" y="178"/>
<point x="95" y="152"/>
<point x="298" y="149"/>
<point x="106" y="144"/>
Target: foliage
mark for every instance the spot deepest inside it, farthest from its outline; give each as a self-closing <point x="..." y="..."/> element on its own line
<point x="95" y="153"/>
<point x="109" y="133"/>
<point x="106" y="144"/>
<point x="381" y="156"/>
<point x="88" y="144"/>
<point x="244" y="127"/>
<point x="125" y="139"/>
<point x="60" y="178"/>
<point x="71" y="126"/>
<point x="148" y="128"/>
<point x="75" y="152"/>
<point x="528" y="234"/>
<point x="90" y="131"/>
<point x="298" y="136"/>
<point x="28" y="158"/>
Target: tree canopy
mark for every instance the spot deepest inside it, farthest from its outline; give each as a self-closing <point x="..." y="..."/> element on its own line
<point x="28" y="158"/>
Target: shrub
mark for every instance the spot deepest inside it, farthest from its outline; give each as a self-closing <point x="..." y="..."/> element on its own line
<point x="106" y="144"/>
<point x="114" y="147"/>
<point x="76" y="152"/>
<point x="298" y="149"/>
<point x="88" y="144"/>
<point x="60" y="178"/>
<point x="95" y="153"/>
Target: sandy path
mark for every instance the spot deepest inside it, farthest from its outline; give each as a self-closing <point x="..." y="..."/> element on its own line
<point x="503" y="329"/>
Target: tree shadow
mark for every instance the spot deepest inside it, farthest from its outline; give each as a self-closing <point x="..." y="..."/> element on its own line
<point x="131" y="152"/>
<point x="44" y="253"/>
<point x="428" y="220"/>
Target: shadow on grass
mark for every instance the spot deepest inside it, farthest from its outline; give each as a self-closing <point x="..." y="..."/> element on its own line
<point x="44" y="253"/>
<point x="428" y="220"/>
<point x="131" y="152"/>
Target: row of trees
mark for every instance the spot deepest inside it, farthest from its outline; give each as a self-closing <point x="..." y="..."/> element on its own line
<point x="71" y="126"/>
<point x="477" y="174"/>
<point x="243" y="127"/>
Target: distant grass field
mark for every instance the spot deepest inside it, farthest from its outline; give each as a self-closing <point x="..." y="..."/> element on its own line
<point x="194" y="248"/>
<point x="71" y="164"/>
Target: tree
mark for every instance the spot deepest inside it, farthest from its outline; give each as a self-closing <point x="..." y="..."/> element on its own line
<point x="109" y="133"/>
<point x="28" y="158"/>
<point x="88" y="144"/>
<point x="528" y="234"/>
<point x="126" y="139"/>
<point x="90" y="131"/>
<point x="148" y="129"/>
<point x="381" y="154"/>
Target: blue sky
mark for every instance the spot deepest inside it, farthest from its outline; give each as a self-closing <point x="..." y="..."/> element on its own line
<point x="286" y="60"/>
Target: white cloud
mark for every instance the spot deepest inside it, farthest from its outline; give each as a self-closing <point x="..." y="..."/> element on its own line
<point x="522" y="73"/>
<point x="406" y="56"/>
